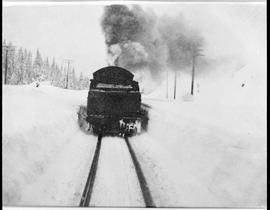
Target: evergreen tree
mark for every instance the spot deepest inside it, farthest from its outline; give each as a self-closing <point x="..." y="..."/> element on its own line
<point x="80" y="85"/>
<point x="52" y="71"/>
<point x="3" y="59"/>
<point x="22" y="69"/>
<point x="29" y="67"/>
<point x="46" y="69"/>
<point x="37" y="66"/>
<point x="85" y="83"/>
<point x="73" y="80"/>
<point x="11" y="66"/>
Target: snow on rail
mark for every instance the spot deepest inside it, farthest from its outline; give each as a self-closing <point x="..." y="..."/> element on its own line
<point x="116" y="183"/>
<point x="86" y="197"/>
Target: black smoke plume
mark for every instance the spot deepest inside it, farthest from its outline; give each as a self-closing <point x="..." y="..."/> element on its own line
<point x="132" y="39"/>
<point x="140" y="41"/>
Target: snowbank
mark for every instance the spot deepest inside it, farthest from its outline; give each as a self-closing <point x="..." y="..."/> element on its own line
<point x="210" y="151"/>
<point x="211" y="148"/>
<point x="45" y="155"/>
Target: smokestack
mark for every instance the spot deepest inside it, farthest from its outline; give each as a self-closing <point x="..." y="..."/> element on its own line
<point x="116" y="61"/>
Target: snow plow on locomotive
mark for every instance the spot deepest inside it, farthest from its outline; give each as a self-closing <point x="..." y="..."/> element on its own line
<point x="114" y="103"/>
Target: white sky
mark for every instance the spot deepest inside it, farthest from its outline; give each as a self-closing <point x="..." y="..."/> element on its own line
<point x="66" y="32"/>
<point x="74" y="32"/>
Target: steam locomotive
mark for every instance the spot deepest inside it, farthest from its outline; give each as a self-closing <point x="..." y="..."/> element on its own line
<point x="114" y="103"/>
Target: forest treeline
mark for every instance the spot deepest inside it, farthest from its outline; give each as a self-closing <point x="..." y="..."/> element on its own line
<point x="20" y="67"/>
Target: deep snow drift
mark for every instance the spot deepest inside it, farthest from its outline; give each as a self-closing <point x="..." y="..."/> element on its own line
<point x="210" y="149"/>
<point x="45" y="156"/>
<point x="195" y="153"/>
<point x="204" y="155"/>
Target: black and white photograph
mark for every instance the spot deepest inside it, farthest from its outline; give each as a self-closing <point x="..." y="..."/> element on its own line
<point x="134" y="104"/>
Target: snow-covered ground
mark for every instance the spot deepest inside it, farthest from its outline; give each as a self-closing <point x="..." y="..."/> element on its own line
<point x="46" y="157"/>
<point x="206" y="151"/>
<point x="116" y="184"/>
<point x="204" y="156"/>
<point x="210" y="149"/>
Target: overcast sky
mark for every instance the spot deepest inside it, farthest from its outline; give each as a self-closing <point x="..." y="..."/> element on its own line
<point x="74" y="32"/>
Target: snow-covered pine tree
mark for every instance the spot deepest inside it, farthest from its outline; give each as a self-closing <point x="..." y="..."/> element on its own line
<point x="61" y="77"/>
<point x="85" y="83"/>
<point x="12" y="57"/>
<point x="73" y="79"/>
<point x="8" y="55"/>
<point x="29" y="67"/>
<point x="80" y="81"/>
<point x="26" y="70"/>
<point x="3" y="60"/>
<point x="37" y="66"/>
<point x="52" y="72"/>
<point x="56" y="75"/>
<point x="46" y="69"/>
<point x="20" y="68"/>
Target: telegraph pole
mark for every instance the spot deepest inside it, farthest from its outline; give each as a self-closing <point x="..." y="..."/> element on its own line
<point x="7" y="49"/>
<point x="68" y="61"/>
<point x="195" y="54"/>
<point x="167" y="84"/>
<point x="193" y="73"/>
<point x="175" y="79"/>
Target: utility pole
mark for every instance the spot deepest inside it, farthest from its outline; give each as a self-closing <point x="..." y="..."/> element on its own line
<point x="68" y="61"/>
<point x="167" y="84"/>
<point x="175" y="79"/>
<point x="195" y="54"/>
<point x="193" y="73"/>
<point x="7" y="49"/>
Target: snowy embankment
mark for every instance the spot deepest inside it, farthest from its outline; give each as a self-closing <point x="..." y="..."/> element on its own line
<point x="46" y="157"/>
<point x="209" y="151"/>
<point x="195" y="159"/>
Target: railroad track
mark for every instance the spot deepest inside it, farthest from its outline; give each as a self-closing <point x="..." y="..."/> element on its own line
<point x="88" y="189"/>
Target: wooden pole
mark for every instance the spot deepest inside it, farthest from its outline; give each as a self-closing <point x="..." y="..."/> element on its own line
<point x="196" y="52"/>
<point x="193" y="74"/>
<point x="68" y="61"/>
<point x="175" y="78"/>
<point x="167" y="84"/>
